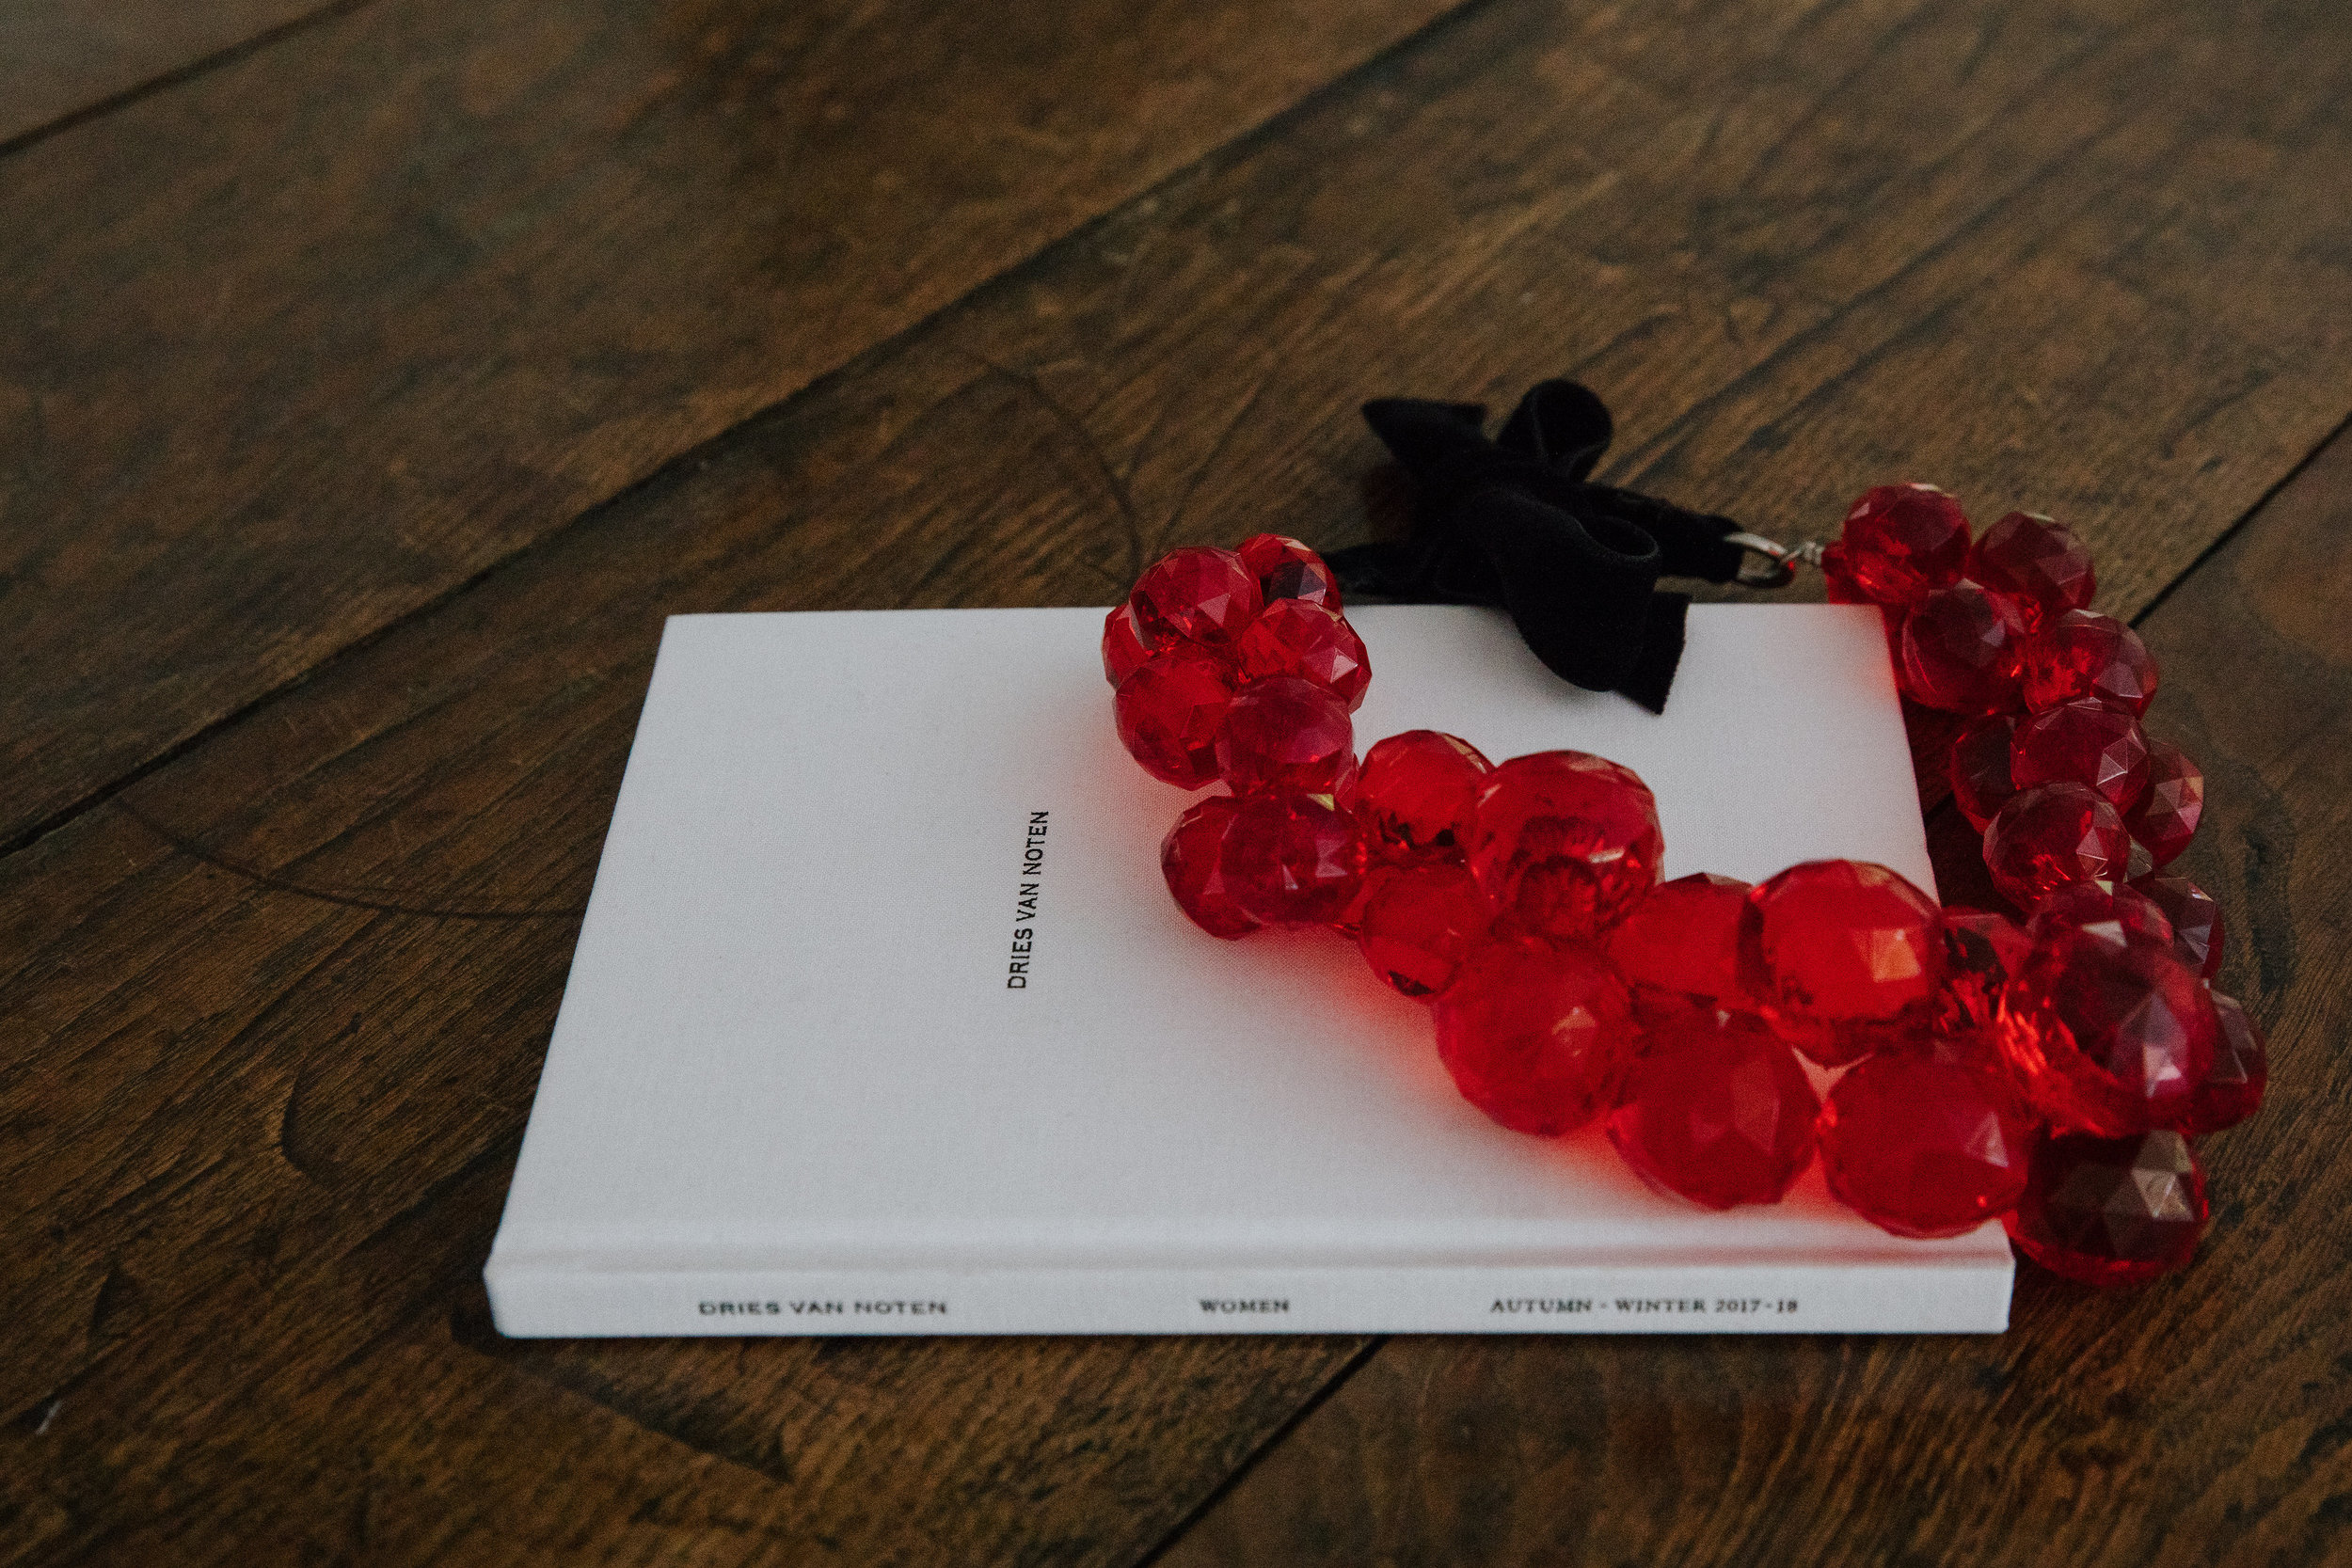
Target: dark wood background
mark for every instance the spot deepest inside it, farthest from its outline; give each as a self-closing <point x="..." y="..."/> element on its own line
<point x="376" y="376"/>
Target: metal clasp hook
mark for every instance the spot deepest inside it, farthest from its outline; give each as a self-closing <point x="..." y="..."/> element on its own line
<point x="1778" y="568"/>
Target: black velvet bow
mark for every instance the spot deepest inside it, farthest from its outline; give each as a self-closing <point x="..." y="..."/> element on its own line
<point x="1514" y="521"/>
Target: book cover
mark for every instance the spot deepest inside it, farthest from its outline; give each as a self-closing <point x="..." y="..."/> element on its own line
<point x="881" y="1020"/>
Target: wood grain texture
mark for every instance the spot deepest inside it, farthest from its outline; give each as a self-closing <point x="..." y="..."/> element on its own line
<point x="64" y="59"/>
<point x="2206" y="1419"/>
<point x="276" y="1008"/>
<point x="310" y="340"/>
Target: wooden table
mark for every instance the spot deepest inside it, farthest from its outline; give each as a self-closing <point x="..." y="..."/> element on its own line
<point x="377" y="375"/>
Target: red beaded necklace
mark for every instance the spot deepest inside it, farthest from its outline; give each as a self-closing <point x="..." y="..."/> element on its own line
<point x="2051" y="1074"/>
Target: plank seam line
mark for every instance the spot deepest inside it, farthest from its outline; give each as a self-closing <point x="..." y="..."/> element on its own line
<point x="2245" y="517"/>
<point x="1274" y="1439"/>
<point x="164" y="81"/>
<point x="1224" y="154"/>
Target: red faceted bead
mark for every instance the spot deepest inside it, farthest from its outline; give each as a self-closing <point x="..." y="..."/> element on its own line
<point x="1679" y="948"/>
<point x="1287" y="569"/>
<point x="2053" y="834"/>
<point x="1286" y="734"/>
<point x="1980" y="952"/>
<point x="2035" y="564"/>
<point x="1717" y="1110"/>
<point x="2195" y="918"/>
<point x="1562" y="843"/>
<point x="2107" y="1037"/>
<point x="2111" y="1210"/>
<point x="1904" y="541"/>
<point x="1960" y="651"/>
<point x="1923" y="1148"/>
<point x="1170" y="709"/>
<point x="2241" y="1070"/>
<point x="1847" y="956"/>
<point x="1294" y="638"/>
<point x="2082" y="743"/>
<point x="1191" y="857"/>
<point x="1196" y="594"/>
<point x="1420" y="923"/>
<point x="1292" y="859"/>
<point x="1415" y="792"/>
<point x="2112" y="912"/>
<point x="2084" y="656"/>
<point x="1981" y="784"/>
<point x="1535" y="1036"/>
<point x="1123" y="648"/>
<point x="2165" y="816"/>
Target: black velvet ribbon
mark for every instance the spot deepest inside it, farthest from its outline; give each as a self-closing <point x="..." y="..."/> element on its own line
<point x="1514" y="521"/>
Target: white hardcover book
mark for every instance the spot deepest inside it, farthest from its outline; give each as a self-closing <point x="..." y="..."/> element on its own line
<point x="881" y="1020"/>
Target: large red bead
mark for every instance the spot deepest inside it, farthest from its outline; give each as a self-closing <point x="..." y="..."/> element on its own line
<point x="1286" y="734"/>
<point x="1419" y="922"/>
<point x="2053" y="834"/>
<point x="2111" y="1210"/>
<point x="1199" y="593"/>
<point x="2086" y="655"/>
<point x="1716" y="1110"/>
<point x="1292" y="859"/>
<point x="1415" y="792"/>
<point x="2195" y="918"/>
<point x="1123" y="648"/>
<point x="2165" y="816"/>
<point x="1980" y="952"/>
<point x="1287" y="569"/>
<point x="2241" y="1070"/>
<point x="1292" y="636"/>
<point x="1170" y="709"/>
<point x="1921" y="1147"/>
<point x="1846" y="956"/>
<point x="2035" y="564"/>
<point x="1679" y="948"/>
<point x="1960" y="651"/>
<point x="2107" y="1037"/>
<point x="1191" y="857"/>
<point x="1904" y="541"/>
<point x="2082" y="743"/>
<point x="2112" y="911"/>
<point x="1980" y="782"/>
<point x="1538" y="1037"/>
<point x="1562" y="843"/>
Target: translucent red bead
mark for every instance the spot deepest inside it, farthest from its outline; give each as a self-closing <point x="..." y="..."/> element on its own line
<point x="2111" y="1211"/>
<point x="1980" y="951"/>
<point x="2086" y="655"/>
<point x="2112" y="912"/>
<point x="1679" y="947"/>
<point x="1292" y="859"/>
<point x="2052" y="834"/>
<point x="1921" y="1147"/>
<point x="1960" y="651"/>
<point x="1292" y="636"/>
<point x="1286" y="569"/>
<point x="1170" y="709"/>
<point x="2196" y="920"/>
<point x="1904" y="541"/>
<point x="1537" y="1037"/>
<point x="1123" y="649"/>
<point x="1716" y="1110"/>
<point x="1196" y="594"/>
<point x="2107" y="1037"/>
<point x="1415" y="792"/>
<point x="2035" y="564"/>
<point x="2163" y="819"/>
<point x="1846" y="956"/>
<point x="1980" y="773"/>
<point x="1563" y="843"/>
<point x="1191" y="857"/>
<point x="1418" y="924"/>
<point x="2081" y="742"/>
<point x="1285" y="734"/>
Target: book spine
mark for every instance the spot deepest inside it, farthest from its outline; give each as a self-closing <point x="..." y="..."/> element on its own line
<point x="1958" y="1296"/>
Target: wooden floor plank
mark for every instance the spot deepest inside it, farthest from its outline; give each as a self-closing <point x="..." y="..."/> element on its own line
<point x="2205" y="1418"/>
<point x="309" y="339"/>
<point x="293" y="985"/>
<point x="64" y="59"/>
